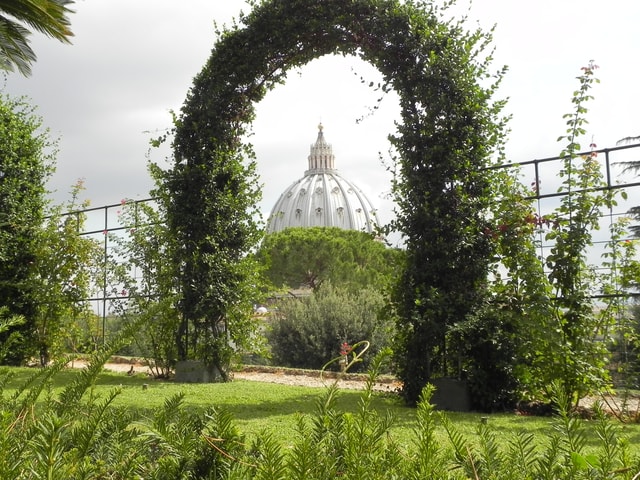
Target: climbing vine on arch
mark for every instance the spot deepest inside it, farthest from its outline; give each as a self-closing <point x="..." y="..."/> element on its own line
<point x="449" y="130"/>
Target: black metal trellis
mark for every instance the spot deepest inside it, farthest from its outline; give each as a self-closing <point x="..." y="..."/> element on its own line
<point x="607" y="164"/>
<point x="100" y="220"/>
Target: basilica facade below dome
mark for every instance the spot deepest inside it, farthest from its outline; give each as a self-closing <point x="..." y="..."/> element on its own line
<point x="322" y="197"/>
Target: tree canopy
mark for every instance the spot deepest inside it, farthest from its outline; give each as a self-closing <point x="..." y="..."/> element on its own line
<point x="45" y="266"/>
<point x="307" y="257"/>
<point x="25" y="165"/>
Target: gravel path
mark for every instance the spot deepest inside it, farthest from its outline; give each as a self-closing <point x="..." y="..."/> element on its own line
<point x="296" y="378"/>
<point x="272" y="375"/>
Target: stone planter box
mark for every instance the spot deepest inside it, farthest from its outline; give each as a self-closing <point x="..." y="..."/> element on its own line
<point x="451" y="394"/>
<point x="195" y="371"/>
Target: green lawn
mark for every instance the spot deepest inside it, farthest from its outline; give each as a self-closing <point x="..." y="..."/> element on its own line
<point x="259" y="406"/>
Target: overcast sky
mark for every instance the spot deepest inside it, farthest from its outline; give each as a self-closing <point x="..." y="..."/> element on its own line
<point x="131" y="62"/>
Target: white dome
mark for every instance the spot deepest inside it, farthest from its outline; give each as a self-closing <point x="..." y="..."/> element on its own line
<point x="322" y="198"/>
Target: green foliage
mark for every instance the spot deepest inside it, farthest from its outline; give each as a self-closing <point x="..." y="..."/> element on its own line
<point x="544" y="305"/>
<point x="348" y="271"/>
<point x="307" y="257"/>
<point x="628" y="339"/>
<point x="449" y="129"/>
<point x="185" y="444"/>
<point x="63" y="276"/>
<point x="26" y="161"/>
<point x="305" y="332"/>
<point x="6" y="323"/>
<point x="49" y="17"/>
<point x="429" y="458"/>
<point x="489" y="343"/>
<point x="628" y="346"/>
<point x="520" y="288"/>
<point x="578" y="358"/>
<point x="572" y="338"/>
<point x="210" y="202"/>
<point x="45" y="268"/>
<point x="498" y="340"/>
<point x="634" y="166"/>
<point x="618" y="311"/>
<point x="78" y="435"/>
<point x="331" y="443"/>
<point x="152" y="296"/>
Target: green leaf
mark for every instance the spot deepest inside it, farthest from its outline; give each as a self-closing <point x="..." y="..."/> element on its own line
<point x="593" y="460"/>
<point x="579" y="461"/>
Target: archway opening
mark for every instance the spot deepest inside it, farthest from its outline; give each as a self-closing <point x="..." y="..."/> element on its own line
<point x="449" y="129"/>
<point x="357" y="118"/>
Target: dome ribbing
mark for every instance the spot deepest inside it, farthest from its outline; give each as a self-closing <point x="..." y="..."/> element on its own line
<point x="322" y="197"/>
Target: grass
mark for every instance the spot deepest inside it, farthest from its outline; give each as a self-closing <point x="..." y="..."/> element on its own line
<point x="259" y="406"/>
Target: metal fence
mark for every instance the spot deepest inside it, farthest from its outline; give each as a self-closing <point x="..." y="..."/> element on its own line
<point x="103" y="223"/>
<point x="543" y="176"/>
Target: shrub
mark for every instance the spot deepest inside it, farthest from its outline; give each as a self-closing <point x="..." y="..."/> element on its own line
<point x="488" y="346"/>
<point x="306" y="332"/>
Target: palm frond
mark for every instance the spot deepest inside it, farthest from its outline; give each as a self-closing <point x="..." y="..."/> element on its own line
<point x="628" y="140"/>
<point x="630" y="166"/>
<point x="14" y="47"/>
<point x="49" y="17"/>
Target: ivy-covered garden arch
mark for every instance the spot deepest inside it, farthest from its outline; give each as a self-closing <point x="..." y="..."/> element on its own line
<point x="449" y="129"/>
